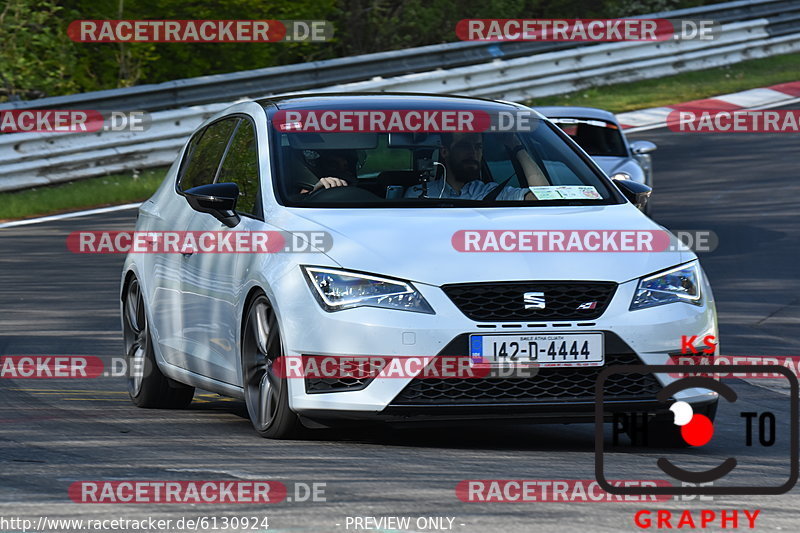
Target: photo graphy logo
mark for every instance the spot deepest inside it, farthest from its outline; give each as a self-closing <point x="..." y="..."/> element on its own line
<point x="697" y="430"/>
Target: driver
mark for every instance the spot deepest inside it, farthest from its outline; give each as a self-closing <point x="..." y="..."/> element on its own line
<point x="337" y="168"/>
<point x="462" y="154"/>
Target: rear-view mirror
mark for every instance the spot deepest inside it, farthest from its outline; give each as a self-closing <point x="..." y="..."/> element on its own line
<point x="642" y="147"/>
<point x="216" y="199"/>
<point x="637" y="193"/>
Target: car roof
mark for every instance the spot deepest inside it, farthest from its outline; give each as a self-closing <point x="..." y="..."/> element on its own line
<point x="576" y="112"/>
<point x="383" y="101"/>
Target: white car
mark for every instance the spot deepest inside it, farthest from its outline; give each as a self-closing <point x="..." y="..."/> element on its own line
<point x="389" y="278"/>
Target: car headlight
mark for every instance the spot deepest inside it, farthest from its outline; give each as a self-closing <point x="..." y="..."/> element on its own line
<point x="621" y="176"/>
<point x="340" y="289"/>
<point x="680" y="284"/>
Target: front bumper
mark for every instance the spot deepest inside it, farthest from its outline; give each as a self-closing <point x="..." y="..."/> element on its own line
<point x="647" y="335"/>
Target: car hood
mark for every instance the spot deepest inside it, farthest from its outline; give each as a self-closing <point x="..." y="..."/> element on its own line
<point x="416" y="244"/>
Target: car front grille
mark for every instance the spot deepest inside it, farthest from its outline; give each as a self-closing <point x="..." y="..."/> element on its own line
<point x="506" y="301"/>
<point x="560" y="385"/>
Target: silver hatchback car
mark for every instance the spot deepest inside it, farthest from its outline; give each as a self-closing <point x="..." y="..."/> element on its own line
<point x="600" y="135"/>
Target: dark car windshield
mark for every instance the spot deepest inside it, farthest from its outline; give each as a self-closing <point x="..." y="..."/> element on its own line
<point x="596" y="137"/>
<point x="483" y="169"/>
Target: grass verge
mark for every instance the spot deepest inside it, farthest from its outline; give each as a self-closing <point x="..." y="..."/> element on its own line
<point x="84" y="194"/>
<point x="682" y="87"/>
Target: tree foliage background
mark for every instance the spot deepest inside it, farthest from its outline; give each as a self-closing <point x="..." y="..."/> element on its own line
<point x="37" y="58"/>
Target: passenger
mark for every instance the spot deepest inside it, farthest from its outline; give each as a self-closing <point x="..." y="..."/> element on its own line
<point x="463" y="155"/>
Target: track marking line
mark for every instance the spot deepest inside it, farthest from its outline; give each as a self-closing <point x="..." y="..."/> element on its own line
<point x="664" y="124"/>
<point x="81" y="391"/>
<point x="92" y="400"/>
<point x="64" y="216"/>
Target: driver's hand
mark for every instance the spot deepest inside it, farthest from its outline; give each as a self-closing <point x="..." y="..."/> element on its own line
<point x="328" y="183"/>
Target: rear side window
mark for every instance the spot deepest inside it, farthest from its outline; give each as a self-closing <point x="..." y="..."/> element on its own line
<point x="241" y="167"/>
<point x="205" y="152"/>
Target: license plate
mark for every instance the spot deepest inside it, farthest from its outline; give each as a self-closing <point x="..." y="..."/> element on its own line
<point x="546" y="350"/>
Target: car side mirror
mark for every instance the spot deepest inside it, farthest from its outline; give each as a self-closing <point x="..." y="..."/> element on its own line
<point x="216" y="199"/>
<point x="637" y="193"/>
<point x="642" y="147"/>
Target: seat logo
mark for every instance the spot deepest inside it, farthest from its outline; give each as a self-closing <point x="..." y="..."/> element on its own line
<point x="534" y="300"/>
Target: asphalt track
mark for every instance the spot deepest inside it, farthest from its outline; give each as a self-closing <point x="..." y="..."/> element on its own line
<point x="744" y="187"/>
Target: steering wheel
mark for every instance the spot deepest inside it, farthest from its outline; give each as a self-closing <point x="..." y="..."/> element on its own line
<point x="350" y="193"/>
<point x="316" y="194"/>
<point x="494" y="193"/>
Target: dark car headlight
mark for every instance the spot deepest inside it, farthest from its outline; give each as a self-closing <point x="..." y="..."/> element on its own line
<point x="337" y="289"/>
<point x="679" y="284"/>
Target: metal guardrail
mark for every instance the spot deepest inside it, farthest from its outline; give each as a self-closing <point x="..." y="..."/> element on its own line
<point x="304" y="76"/>
<point x="566" y="71"/>
<point x="31" y="159"/>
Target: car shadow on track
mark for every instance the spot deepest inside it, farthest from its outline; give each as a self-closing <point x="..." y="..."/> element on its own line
<point x="477" y="435"/>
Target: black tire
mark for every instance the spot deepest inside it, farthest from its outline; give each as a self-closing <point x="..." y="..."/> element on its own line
<point x="266" y="394"/>
<point x="147" y="386"/>
<point x="663" y="433"/>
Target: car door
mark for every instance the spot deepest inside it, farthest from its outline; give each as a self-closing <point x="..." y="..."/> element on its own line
<point x="212" y="285"/>
<point x="203" y="155"/>
<point x="169" y="318"/>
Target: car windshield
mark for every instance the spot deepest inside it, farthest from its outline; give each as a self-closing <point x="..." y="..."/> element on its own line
<point x="596" y="137"/>
<point x="450" y="169"/>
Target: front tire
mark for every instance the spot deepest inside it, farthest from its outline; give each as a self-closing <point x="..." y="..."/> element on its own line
<point x="266" y="393"/>
<point x="147" y="386"/>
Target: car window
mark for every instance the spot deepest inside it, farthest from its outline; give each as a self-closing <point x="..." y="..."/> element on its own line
<point x="415" y="170"/>
<point x="240" y="166"/>
<point x="355" y="164"/>
<point x="205" y="152"/>
<point x="561" y="167"/>
<point x="596" y="137"/>
<point x="383" y="158"/>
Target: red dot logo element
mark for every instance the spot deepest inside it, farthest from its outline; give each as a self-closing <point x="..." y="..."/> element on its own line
<point x="698" y="431"/>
